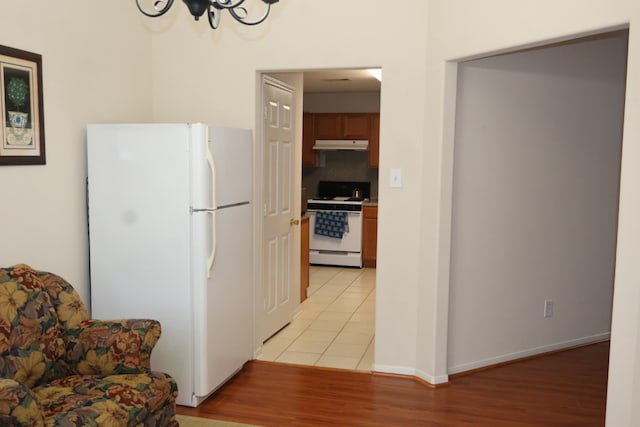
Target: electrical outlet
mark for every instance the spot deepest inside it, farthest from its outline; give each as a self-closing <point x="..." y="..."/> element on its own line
<point x="548" y="308"/>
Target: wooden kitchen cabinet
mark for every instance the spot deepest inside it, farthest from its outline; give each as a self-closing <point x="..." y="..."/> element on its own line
<point x="356" y="126"/>
<point x="304" y="257"/>
<point x="309" y="156"/>
<point x="328" y="126"/>
<point x="369" y="235"/>
<point x="342" y="125"/>
<point x="374" y="140"/>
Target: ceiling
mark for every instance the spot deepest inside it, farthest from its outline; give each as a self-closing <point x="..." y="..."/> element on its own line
<point x="340" y="81"/>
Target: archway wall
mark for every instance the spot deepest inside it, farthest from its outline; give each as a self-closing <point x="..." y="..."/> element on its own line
<point x="538" y="141"/>
<point x="459" y="30"/>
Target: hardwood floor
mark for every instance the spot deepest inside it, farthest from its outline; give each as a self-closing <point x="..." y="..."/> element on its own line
<point x="562" y="389"/>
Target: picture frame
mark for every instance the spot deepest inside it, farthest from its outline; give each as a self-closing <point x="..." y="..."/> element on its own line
<point x="21" y="108"/>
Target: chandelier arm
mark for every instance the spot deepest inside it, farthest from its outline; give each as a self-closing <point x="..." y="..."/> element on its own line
<point x="214" y="17"/>
<point x="213" y="8"/>
<point x="241" y="19"/>
<point x="160" y="12"/>
<point x="226" y="4"/>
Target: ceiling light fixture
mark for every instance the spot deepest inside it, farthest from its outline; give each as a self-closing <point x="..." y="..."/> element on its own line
<point x="213" y="9"/>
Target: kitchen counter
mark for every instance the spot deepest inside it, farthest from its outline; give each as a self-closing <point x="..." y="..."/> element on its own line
<point x="370" y="202"/>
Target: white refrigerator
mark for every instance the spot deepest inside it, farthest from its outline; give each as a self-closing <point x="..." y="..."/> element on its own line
<point x="170" y="238"/>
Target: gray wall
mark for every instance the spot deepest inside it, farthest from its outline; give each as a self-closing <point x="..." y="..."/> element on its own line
<point x="342" y="102"/>
<point x="343" y="165"/>
<point x="536" y="184"/>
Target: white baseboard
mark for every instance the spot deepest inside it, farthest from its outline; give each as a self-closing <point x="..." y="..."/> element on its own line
<point x="398" y="370"/>
<point x="411" y="372"/>
<point x="529" y="352"/>
<point x="433" y="380"/>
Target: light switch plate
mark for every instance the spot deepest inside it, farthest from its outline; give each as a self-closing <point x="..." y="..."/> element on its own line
<point x="395" y="177"/>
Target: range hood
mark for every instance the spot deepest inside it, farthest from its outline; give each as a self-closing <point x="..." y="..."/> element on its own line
<point x="341" y="144"/>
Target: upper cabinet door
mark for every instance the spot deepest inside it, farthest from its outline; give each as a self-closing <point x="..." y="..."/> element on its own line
<point x="374" y="140"/>
<point x="308" y="139"/>
<point x="356" y="126"/>
<point x="342" y="125"/>
<point x="363" y="126"/>
<point x="328" y="126"/>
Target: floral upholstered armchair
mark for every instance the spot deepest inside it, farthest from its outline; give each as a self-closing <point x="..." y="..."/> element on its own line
<point x="60" y="368"/>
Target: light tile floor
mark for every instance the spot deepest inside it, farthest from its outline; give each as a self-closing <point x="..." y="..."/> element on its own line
<point x="334" y="326"/>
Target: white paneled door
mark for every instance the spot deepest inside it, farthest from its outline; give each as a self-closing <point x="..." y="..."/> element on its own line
<point x="278" y="210"/>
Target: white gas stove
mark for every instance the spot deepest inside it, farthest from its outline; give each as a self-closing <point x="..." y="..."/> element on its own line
<point x="335" y="224"/>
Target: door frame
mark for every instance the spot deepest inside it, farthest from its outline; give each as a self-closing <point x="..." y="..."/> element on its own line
<point x="443" y="284"/>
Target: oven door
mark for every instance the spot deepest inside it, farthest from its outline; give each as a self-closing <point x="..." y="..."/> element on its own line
<point x="350" y="242"/>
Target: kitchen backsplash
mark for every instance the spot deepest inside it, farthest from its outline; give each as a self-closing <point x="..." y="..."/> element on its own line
<point x="340" y="166"/>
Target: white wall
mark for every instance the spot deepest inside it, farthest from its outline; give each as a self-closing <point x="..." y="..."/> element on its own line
<point x="95" y="63"/>
<point x="342" y="102"/>
<point x="209" y="76"/>
<point x="535" y="200"/>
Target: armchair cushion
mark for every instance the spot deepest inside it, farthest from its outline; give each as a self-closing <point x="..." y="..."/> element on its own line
<point x="66" y="301"/>
<point x="30" y="334"/>
<point x="116" y="400"/>
<point x="18" y="405"/>
<point x="98" y="347"/>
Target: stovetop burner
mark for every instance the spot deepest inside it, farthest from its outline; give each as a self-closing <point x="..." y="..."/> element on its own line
<point x="343" y="190"/>
<point x="338" y="199"/>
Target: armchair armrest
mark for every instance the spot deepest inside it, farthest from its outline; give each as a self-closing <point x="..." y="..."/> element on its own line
<point x="18" y="406"/>
<point x="107" y="347"/>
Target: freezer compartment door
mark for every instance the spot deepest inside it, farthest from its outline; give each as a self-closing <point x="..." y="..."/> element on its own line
<point x="224" y="302"/>
<point x="222" y="168"/>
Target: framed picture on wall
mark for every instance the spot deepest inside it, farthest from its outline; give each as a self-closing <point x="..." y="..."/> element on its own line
<point x="21" y="108"/>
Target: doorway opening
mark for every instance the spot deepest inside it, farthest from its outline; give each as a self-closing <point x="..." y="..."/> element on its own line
<point x="334" y="324"/>
<point x="536" y="174"/>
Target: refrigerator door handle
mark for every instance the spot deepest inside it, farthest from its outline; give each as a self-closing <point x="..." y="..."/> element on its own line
<point x="212" y="255"/>
<point x="214" y="204"/>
